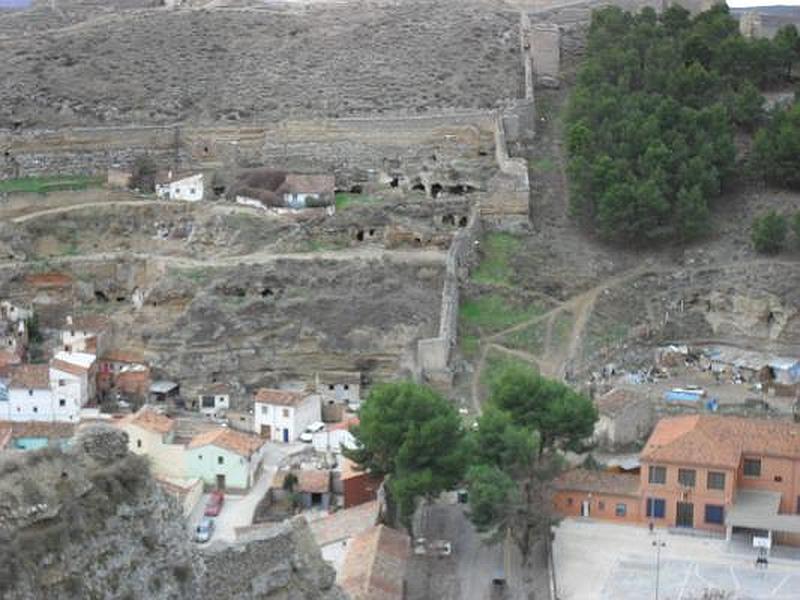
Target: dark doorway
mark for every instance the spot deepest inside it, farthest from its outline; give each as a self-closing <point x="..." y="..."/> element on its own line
<point x="220" y="482"/>
<point x="436" y="189"/>
<point x="685" y="515"/>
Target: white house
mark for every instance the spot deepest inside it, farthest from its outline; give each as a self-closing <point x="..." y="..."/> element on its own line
<point x="73" y="376"/>
<point x="189" y="188"/>
<point x="282" y="415"/>
<point x="29" y="397"/>
<point x="214" y="400"/>
<point x="85" y="334"/>
<point x="13" y="313"/>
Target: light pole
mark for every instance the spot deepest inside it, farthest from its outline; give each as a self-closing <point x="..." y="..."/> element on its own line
<point x="659" y="545"/>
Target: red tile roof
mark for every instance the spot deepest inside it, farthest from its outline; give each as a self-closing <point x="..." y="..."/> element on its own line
<point x="311" y="481"/>
<point x="30" y="377"/>
<point x="375" y="565"/>
<point x="280" y="397"/>
<point x="587" y="480"/>
<point x="47" y="429"/>
<point x="235" y="441"/>
<point x="720" y="441"/>
<point x="150" y="420"/>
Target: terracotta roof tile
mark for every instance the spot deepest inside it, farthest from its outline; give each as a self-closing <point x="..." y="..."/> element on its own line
<point x="46" y="429"/>
<point x="280" y="397"/>
<point x="586" y="480"/>
<point x="375" y="565"/>
<point x="151" y="420"/>
<point x="235" y="441"/>
<point x="30" y="377"/>
<point x="720" y="441"/>
<point x="311" y="481"/>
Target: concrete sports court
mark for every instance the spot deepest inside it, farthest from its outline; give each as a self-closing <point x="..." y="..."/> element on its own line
<point x="604" y="561"/>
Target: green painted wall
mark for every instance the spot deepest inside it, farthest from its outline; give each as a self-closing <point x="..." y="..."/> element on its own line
<point x="204" y="463"/>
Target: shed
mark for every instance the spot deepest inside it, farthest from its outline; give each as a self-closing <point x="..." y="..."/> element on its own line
<point x="164" y="390"/>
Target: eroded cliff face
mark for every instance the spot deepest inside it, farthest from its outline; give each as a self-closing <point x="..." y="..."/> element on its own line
<point x="91" y="523"/>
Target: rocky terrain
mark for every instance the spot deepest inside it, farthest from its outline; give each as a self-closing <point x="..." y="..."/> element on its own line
<point x="256" y="63"/>
<point x="91" y="523"/>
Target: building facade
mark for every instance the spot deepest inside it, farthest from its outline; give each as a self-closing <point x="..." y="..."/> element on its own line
<point x="282" y="415"/>
<point x="225" y="459"/>
<point x="725" y="475"/>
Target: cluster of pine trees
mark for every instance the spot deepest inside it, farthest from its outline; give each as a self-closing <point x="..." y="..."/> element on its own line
<point x="651" y="122"/>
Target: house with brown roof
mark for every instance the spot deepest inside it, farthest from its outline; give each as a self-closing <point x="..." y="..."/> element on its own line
<point x="225" y="459"/>
<point x="277" y="191"/>
<point x="29" y="397"/>
<point x="282" y="415"/>
<point x="152" y="434"/>
<point x="728" y="475"/>
<point x="313" y="486"/>
<point x="124" y="373"/>
<point x="73" y="379"/>
<point x="33" y="435"/>
<point x="88" y="333"/>
<point x="375" y="565"/>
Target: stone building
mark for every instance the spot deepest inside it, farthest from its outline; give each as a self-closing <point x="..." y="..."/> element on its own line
<point x="625" y="417"/>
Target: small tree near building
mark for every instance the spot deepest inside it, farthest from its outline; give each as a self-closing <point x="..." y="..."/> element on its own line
<point x="143" y="176"/>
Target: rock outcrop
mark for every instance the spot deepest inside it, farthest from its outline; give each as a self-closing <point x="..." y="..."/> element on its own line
<point x="90" y="522"/>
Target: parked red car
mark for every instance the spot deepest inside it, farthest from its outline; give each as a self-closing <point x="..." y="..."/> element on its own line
<point x="214" y="504"/>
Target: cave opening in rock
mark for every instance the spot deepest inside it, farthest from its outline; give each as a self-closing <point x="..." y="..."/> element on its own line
<point x="371" y="232"/>
<point x="267" y="292"/>
<point x="120" y="298"/>
<point x="356" y="189"/>
<point x="360" y="235"/>
<point x="462" y="222"/>
<point x="100" y="296"/>
<point x="770" y="318"/>
<point x="448" y="220"/>
<point x="395" y="182"/>
<point x="436" y="189"/>
<point x="460" y="189"/>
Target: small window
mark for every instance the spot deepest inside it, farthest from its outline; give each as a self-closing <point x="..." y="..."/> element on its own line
<point x="61" y="383"/>
<point x="330" y="387"/>
<point x="62" y="402"/>
<point x="199" y="457"/>
<point x="30" y="392"/>
<point x="138" y="443"/>
<point x="778" y="479"/>
<point x="220" y="460"/>
<point x="263" y="409"/>
<point x="569" y="501"/>
<point x="601" y="505"/>
<point x="715" y="514"/>
<point x="286" y="412"/>
<point x="191" y="191"/>
<point x="36" y="409"/>
<point x="657" y="475"/>
<point x="620" y="510"/>
<point x="752" y="467"/>
<point x="687" y="477"/>
<point x="716" y="480"/>
<point x="346" y="386"/>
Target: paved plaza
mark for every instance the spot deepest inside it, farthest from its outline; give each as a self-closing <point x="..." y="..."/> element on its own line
<point x="603" y="561"/>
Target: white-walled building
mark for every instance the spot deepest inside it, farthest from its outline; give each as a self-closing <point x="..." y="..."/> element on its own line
<point x="13" y="313"/>
<point x="189" y="188"/>
<point x="74" y="375"/>
<point x="85" y="334"/>
<point x="215" y="400"/>
<point x="282" y="415"/>
<point x="30" y="398"/>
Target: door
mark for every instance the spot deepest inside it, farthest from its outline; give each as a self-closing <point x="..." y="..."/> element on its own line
<point x="685" y="515"/>
<point x="285" y="435"/>
<point x="585" y="508"/>
<point x="266" y="432"/>
<point x="220" y="482"/>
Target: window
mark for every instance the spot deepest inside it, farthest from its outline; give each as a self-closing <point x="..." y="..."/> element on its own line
<point x="199" y="457"/>
<point x="601" y="505"/>
<point x="752" y="467"/>
<point x="656" y="508"/>
<point x="620" y="510"/>
<point x="62" y="402"/>
<point x="138" y="443"/>
<point x="36" y="409"/>
<point x="715" y="481"/>
<point x="330" y="387"/>
<point x="346" y="386"/>
<point x="207" y="401"/>
<point x="657" y="475"/>
<point x="777" y="479"/>
<point x="286" y="413"/>
<point x="30" y="392"/>
<point x="715" y="514"/>
<point x="220" y="460"/>
<point x="191" y="191"/>
<point x="569" y="501"/>
<point x="264" y="409"/>
<point x="61" y="383"/>
<point x="687" y="477"/>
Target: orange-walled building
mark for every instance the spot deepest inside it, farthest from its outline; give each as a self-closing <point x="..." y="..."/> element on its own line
<point x="720" y="474"/>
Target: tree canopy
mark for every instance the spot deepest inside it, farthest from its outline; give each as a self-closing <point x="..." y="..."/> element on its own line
<point x="415" y="436"/>
<point x="562" y="417"/>
<point x="777" y="148"/>
<point x="650" y="125"/>
<point x="769" y="233"/>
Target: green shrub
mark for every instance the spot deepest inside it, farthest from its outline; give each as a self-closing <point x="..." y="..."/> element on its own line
<point x="769" y="233"/>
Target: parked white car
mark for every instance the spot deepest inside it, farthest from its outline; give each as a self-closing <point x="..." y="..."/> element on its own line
<point x="308" y="435"/>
